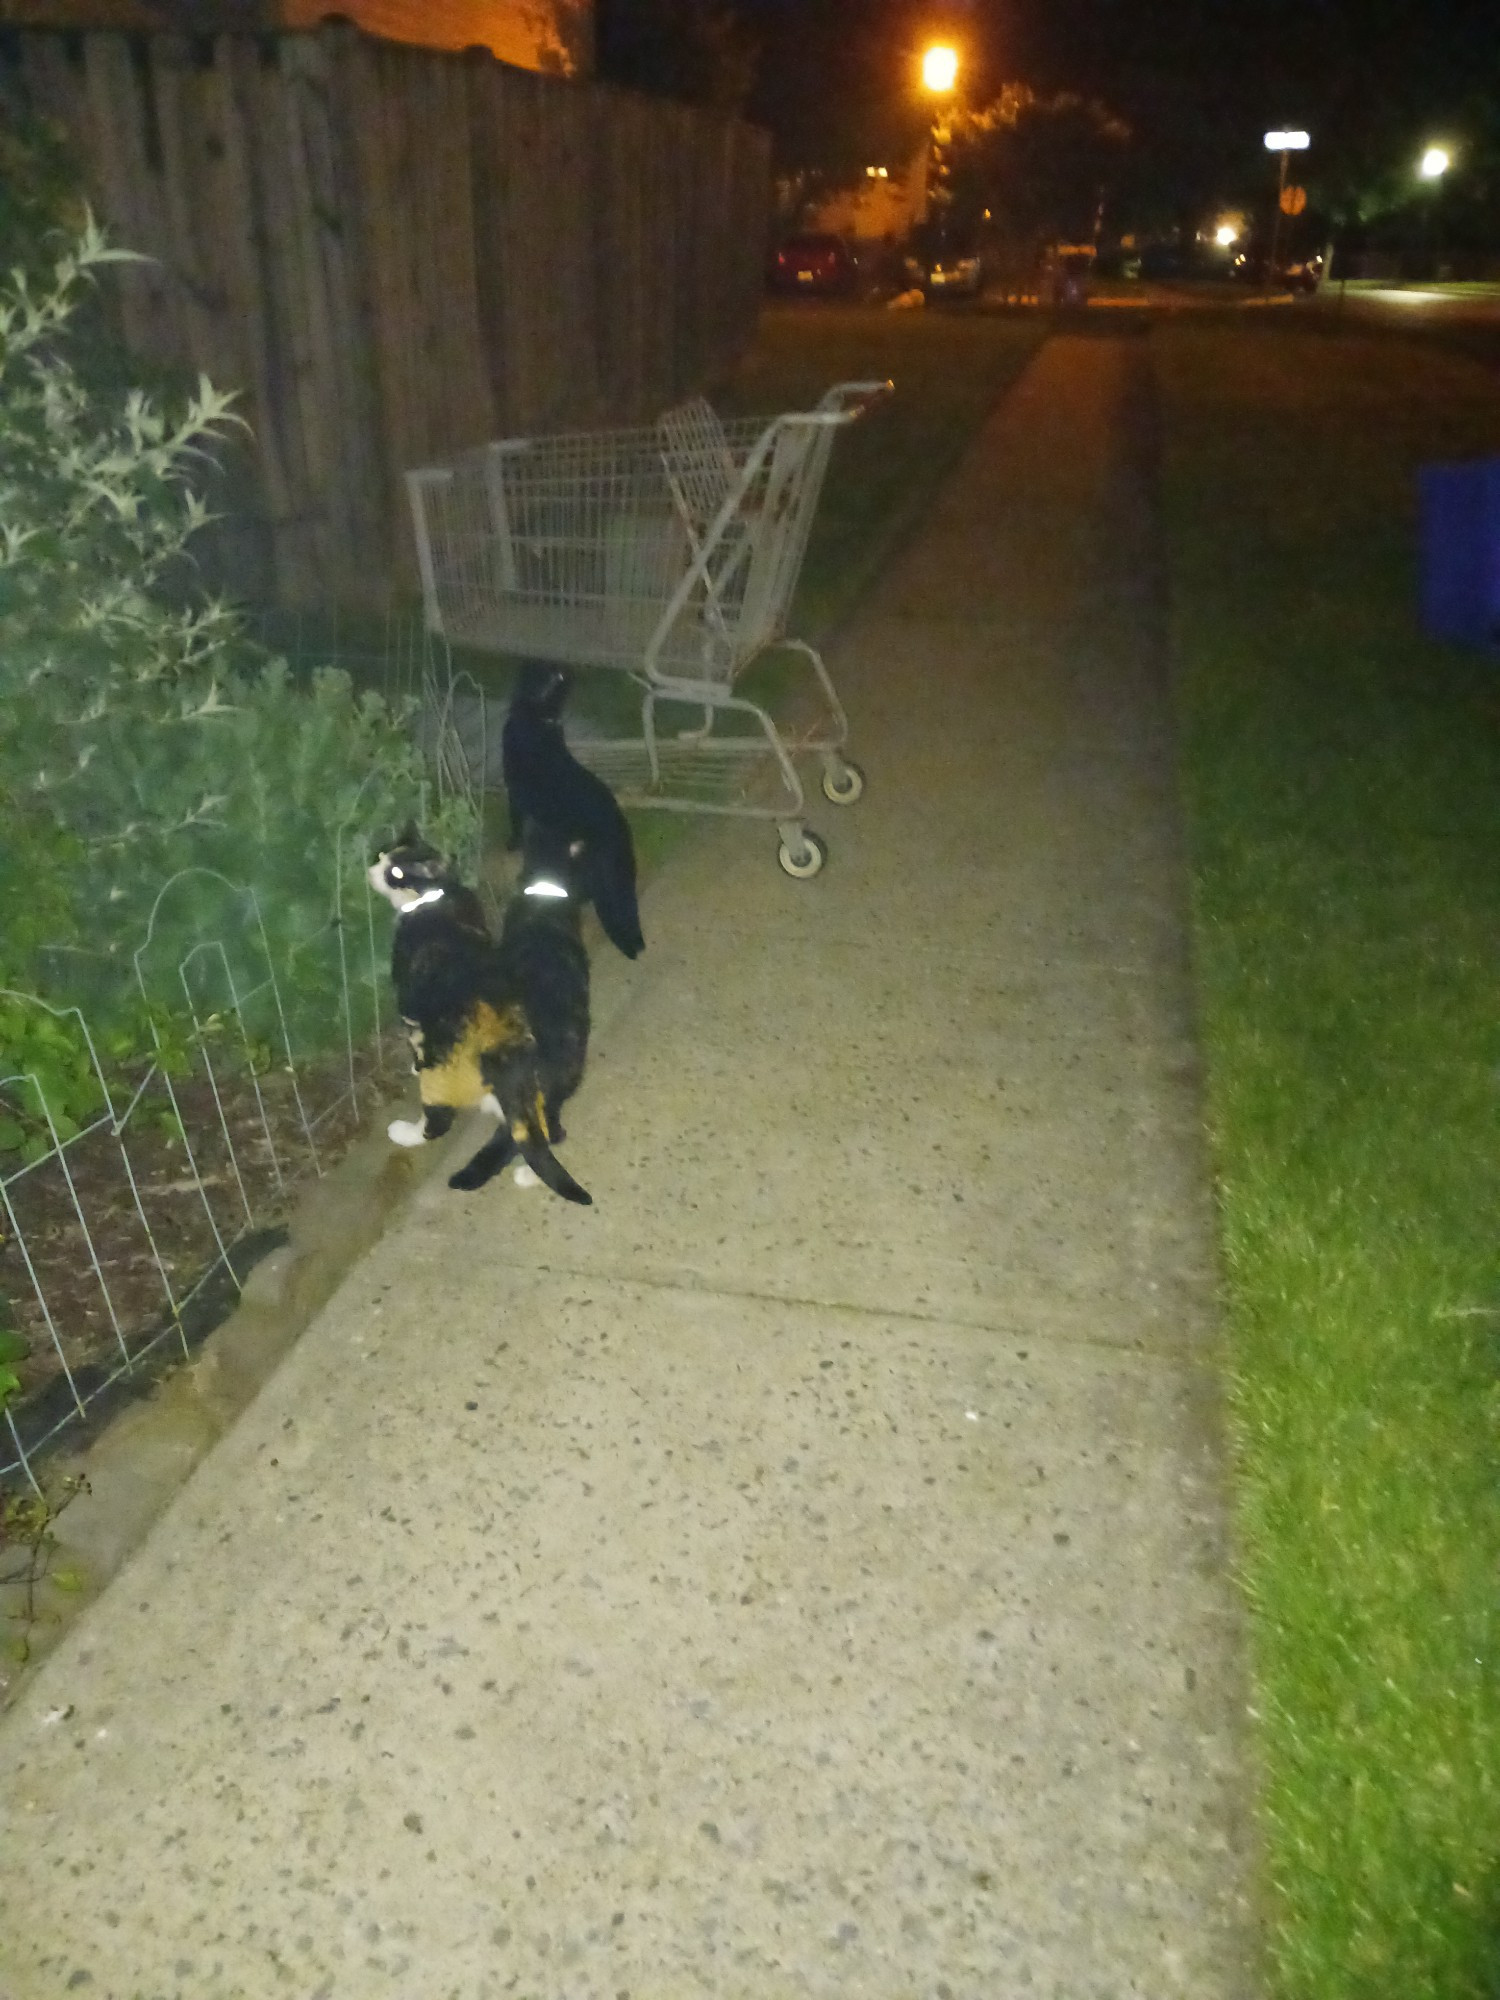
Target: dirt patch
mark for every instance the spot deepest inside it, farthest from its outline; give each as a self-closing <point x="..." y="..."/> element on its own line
<point x="122" y="1251"/>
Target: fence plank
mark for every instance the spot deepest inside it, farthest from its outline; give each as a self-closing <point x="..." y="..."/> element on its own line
<point x="395" y="252"/>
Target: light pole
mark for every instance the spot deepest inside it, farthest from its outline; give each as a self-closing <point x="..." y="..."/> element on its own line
<point x="939" y="80"/>
<point x="1433" y="164"/>
<point x="1283" y="143"/>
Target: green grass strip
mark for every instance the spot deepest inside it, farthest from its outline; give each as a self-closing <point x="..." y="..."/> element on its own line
<point x="949" y="368"/>
<point x="1342" y="781"/>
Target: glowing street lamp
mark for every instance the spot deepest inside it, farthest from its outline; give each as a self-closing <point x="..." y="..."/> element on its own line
<point x="939" y="69"/>
<point x="1435" y="163"/>
<point x="1225" y="234"/>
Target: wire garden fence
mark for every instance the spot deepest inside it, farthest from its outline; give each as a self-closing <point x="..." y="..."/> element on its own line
<point x="124" y="1239"/>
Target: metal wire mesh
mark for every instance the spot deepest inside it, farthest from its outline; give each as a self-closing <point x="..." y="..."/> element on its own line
<point x="125" y="1236"/>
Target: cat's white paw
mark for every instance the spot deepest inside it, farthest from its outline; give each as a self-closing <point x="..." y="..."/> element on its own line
<point x="489" y="1104"/>
<point x="525" y="1177"/>
<point x="404" y="1132"/>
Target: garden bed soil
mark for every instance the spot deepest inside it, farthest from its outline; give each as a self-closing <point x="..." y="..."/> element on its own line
<point x="125" y="1252"/>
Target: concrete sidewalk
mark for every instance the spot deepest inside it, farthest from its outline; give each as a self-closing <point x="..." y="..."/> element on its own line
<point x="803" y="1573"/>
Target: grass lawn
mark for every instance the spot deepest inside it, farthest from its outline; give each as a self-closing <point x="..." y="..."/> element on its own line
<point x="1342" y="778"/>
<point x="1448" y="288"/>
<point x="948" y="367"/>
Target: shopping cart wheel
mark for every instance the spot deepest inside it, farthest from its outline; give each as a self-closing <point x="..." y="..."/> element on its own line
<point x="842" y="782"/>
<point x="804" y="862"/>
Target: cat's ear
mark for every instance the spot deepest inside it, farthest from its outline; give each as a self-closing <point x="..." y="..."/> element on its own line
<point x="408" y="836"/>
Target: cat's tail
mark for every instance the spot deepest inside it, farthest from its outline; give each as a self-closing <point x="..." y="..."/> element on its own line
<point x="613" y="893"/>
<point x="550" y="1170"/>
<point x="495" y="1156"/>
<point x="515" y="1086"/>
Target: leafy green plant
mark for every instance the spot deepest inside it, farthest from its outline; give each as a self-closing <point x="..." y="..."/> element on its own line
<point x="27" y="1540"/>
<point x="52" y="1086"/>
<point x="155" y="762"/>
<point x="39" y="189"/>
<point x="13" y="1348"/>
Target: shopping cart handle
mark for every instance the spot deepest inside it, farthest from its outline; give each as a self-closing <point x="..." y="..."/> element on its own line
<point x="847" y="400"/>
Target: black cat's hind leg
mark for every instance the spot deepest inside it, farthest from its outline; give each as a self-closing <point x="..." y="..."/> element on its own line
<point x="491" y="1159"/>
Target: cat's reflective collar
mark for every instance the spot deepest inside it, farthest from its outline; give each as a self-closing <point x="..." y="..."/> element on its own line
<point x="543" y="886"/>
<point x="418" y="902"/>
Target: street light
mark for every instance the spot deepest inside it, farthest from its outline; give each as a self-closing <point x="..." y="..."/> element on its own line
<point x="1435" y="163"/>
<point x="1283" y="143"/>
<point x="940" y="78"/>
<point x="939" y="69"/>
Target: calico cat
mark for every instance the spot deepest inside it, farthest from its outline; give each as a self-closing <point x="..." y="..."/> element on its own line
<point x="464" y="1000"/>
<point x="545" y="783"/>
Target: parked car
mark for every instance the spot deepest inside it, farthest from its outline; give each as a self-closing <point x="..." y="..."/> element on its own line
<point x="817" y="263"/>
<point x="945" y="267"/>
<point x="1162" y="261"/>
<point x="1118" y="263"/>
<point x="1067" y="273"/>
<point x="1302" y="274"/>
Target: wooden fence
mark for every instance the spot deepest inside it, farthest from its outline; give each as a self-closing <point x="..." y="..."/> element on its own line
<point x="395" y="252"/>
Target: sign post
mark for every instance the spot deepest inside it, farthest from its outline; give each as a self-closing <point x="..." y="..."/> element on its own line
<point x="1283" y="143"/>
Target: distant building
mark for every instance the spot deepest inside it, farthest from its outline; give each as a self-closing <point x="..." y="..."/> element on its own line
<point x="885" y="203"/>
<point x="552" y="35"/>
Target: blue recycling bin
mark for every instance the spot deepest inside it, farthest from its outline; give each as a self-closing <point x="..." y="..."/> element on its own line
<point x="1460" y="509"/>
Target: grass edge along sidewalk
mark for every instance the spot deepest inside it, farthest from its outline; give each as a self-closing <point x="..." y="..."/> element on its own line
<point x="1342" y="785"/>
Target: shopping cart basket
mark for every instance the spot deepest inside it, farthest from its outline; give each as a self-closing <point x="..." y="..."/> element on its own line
<point x="669" y="551"/>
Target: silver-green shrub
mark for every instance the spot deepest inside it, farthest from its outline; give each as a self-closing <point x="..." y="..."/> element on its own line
<point x="141" y="731"/>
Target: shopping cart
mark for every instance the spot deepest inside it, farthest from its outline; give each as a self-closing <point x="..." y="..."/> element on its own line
<point x="670" y="552"/>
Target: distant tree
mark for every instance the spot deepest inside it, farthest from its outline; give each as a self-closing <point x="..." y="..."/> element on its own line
<point x="700" y="51"/>
<point x="1040" y="166"/>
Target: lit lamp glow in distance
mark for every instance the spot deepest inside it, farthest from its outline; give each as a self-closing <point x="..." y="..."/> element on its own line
<point x="940" y="69"/>
<point x="1435" y="163"/>
<point x="1225" y="234"/>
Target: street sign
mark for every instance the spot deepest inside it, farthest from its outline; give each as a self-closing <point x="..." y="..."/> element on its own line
<point x="1293" y="200"/>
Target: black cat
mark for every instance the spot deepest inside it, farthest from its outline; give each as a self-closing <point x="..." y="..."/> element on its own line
<point x="464" y="1000"/>
<point x="545" y="782"/>
<point x="542" y="950"/>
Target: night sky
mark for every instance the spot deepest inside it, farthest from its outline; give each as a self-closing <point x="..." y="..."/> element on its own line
<point x="1199" y="81"/>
